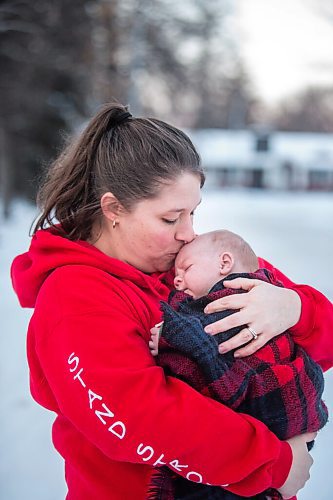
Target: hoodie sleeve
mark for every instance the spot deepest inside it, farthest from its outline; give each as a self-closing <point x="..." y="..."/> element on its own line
<point x="314" y="330"/>
<point x="103" y="379"/>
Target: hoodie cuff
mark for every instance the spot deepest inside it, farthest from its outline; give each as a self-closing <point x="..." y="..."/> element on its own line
<point x="282" y="466"/>
<point x="305" y="324"/>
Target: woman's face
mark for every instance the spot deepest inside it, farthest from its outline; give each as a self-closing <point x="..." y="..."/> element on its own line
<point x="150" y="236"/>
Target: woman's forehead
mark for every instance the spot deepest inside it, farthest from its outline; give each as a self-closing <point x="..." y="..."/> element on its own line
<point x="186" y="185"/>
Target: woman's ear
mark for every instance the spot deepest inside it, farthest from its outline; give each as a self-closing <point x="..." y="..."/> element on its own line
<point x="226" y="263"/>
<point x="111" y="207"/>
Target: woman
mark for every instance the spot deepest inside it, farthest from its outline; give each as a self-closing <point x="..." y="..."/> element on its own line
<point x="117" y="207"/>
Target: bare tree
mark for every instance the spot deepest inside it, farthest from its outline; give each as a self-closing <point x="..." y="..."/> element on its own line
<point x="309" y="111"/>
<point x="43" y="82"/>
<point x="61" y="59"/>
<point x="171" y="59"/>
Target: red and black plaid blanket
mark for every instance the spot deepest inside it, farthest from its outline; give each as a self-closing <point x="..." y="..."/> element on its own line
<point x="279" y="384"/>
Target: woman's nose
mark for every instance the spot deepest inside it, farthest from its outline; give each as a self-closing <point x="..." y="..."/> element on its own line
<point x="185" y="233"/>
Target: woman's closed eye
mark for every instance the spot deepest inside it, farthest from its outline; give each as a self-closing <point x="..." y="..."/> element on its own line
<point x="169" y="221"/>
<point x="173" y="221"/>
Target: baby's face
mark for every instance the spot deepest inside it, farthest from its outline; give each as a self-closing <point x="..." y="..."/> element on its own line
<point x="197" y="270"/>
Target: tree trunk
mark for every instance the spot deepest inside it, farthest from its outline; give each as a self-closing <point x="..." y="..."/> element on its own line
<point x="5" y="175"/>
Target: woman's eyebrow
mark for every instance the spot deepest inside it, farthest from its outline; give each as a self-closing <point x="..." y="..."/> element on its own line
<point x="181" y="209"/>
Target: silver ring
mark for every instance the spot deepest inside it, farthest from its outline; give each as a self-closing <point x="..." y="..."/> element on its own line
<point x="253" y="333"/>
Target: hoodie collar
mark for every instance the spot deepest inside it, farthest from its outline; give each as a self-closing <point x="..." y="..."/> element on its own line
<point x="49" y="251"/>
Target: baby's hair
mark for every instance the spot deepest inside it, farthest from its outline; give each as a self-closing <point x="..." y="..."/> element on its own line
<point x="223" y="240"/>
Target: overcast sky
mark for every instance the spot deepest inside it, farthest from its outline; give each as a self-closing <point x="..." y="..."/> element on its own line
<point x="286" y="45"/>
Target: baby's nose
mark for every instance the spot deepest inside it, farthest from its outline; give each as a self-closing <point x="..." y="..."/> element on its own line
<point x="177" y="282"/>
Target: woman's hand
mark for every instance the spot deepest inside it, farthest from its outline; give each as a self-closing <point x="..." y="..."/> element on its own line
<point x="302" y="461"/>
<point x="267" y="309"/>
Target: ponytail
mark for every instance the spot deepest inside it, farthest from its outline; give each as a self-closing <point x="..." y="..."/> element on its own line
<point x="68" y="193"/>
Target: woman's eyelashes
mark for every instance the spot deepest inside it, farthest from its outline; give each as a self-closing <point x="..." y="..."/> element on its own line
<point x="170" y="221"/>
<point x="173" y="221"/>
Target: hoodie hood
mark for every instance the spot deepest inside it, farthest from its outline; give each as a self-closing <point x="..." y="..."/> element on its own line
<point x="49" y="250"/>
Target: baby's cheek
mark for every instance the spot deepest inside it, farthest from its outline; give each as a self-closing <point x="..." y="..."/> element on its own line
<point x="191" y="281"/>
<point x="199" y="284"/>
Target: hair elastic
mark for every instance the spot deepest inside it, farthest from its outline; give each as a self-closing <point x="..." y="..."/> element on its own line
<point x="121" y="118"/>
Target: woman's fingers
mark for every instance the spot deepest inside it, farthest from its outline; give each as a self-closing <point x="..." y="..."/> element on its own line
<point x="235" y="301"/>
<point x="243" y="283"/>
<point x="222" y="325"/>
<point x="243" y="337"/>
<point x="238" y="340"/>
<point x="265" y="307"/>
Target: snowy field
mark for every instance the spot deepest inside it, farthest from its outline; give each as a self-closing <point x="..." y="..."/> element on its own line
<point x="292" y="230"/>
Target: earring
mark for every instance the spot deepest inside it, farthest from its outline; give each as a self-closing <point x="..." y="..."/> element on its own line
<point x="114" y="223"/>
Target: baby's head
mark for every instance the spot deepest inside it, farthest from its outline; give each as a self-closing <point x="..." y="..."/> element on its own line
<point x="209" y="258"/>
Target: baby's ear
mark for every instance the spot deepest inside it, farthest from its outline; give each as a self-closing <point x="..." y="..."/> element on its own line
<point x="226" y="263"/>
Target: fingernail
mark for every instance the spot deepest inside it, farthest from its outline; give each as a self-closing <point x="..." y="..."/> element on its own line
<point x="207" y="309"/>
<point x="222" y="350"/>
<point x="237" y="355"/>
<point x="208" y="330"/>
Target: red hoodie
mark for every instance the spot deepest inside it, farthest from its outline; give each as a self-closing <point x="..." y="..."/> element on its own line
<point x="118" y="414"/>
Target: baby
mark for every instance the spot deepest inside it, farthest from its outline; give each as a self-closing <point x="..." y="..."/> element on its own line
<point x="208" y="259"/>
<point x="279" y="384"/>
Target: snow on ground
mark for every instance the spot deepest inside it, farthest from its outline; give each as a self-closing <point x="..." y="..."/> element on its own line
<point x="293" y="230"/>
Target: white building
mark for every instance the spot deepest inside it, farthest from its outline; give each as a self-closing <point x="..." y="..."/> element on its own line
<point x="263" y="158"/>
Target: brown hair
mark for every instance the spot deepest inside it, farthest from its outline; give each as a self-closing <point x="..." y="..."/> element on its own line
<point x="130" y="157"/>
